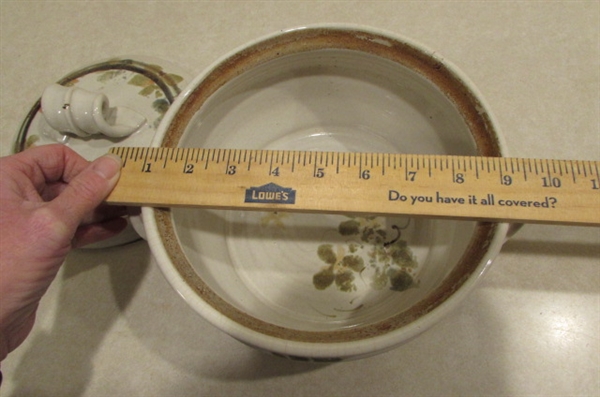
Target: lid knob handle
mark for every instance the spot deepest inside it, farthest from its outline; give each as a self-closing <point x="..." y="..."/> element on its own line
<point x="84" y="113"/>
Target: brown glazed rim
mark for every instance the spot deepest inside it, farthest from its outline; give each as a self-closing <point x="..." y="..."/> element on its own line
<point x="311" y="39"/>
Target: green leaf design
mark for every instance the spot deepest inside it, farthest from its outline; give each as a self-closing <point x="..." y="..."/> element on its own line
<point x="140" y="80"/>
<point x="324" y="278"/>
<point x="391" y="261"/>
<point x="326" y="254"/>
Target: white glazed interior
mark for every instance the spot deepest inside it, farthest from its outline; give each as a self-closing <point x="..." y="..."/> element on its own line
<point x="250" y="273"/>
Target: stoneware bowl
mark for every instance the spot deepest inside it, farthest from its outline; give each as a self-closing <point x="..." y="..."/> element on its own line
<point x="325" y="287"/>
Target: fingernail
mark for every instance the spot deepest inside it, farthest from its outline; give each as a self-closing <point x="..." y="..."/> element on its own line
<point x="107" y="166"/>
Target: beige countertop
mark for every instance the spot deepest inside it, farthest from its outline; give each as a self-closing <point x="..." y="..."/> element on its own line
<point x="110" y="324"/>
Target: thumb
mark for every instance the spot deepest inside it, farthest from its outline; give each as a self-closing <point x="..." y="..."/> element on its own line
<point x="88" y="189"/>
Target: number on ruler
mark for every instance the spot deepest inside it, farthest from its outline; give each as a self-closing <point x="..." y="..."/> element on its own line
<point x="188" y="169"/>
<point x="551" y="182"/>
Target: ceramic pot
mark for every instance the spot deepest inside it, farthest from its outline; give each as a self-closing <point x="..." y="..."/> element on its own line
<point x="326" y="287"/>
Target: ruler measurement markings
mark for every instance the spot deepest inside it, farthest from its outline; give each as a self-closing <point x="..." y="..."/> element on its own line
<point x="227" y="160"/>
<point x="453" y="170"/>
<point x="134" y="154"/>
<point x="359" y="165"/>
<point x="123" y="154"/>
<point x="145" y="164"/>
<point x="187" y="157"/>
<point x="293" y="161"/>
<point x="429" y="166"/>
<point x="208" y="158"/>
<point x="249" y="161"/>
<point x="554" y="174"/>
<point x="271" y="159"/>
<point x="549" y="171"/>
<point x="573" y="174"/>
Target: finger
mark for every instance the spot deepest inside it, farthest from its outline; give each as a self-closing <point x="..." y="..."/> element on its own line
<point x="50" y="163"/>
<point x="86" y="190"/>
<point x="105" y="212"/>
<point x="93" y="233"/>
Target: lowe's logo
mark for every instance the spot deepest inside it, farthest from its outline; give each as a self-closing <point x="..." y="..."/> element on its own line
<point x="270" y="194"/>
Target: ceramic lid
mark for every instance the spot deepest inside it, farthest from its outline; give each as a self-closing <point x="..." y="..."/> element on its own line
<point x="144" y="86"/>
<point x="147" y="86"/>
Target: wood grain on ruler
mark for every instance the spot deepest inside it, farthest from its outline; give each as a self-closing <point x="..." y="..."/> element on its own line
<point x="464" y="187"/>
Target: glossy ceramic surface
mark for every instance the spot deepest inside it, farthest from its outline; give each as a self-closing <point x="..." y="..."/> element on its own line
<point x="314" y="286"/>
<point x="139" y="92"/>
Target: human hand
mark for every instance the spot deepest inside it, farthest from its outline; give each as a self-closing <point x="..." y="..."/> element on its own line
<point x="50" y="203"/>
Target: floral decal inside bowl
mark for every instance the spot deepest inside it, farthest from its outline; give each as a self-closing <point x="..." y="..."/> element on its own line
<point x="371" y="254"/>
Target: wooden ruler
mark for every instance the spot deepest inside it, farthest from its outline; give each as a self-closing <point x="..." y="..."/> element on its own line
<point x="459" y="187"/>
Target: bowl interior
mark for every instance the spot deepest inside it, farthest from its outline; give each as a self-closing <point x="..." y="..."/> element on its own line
<point x="324" y="277"/>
